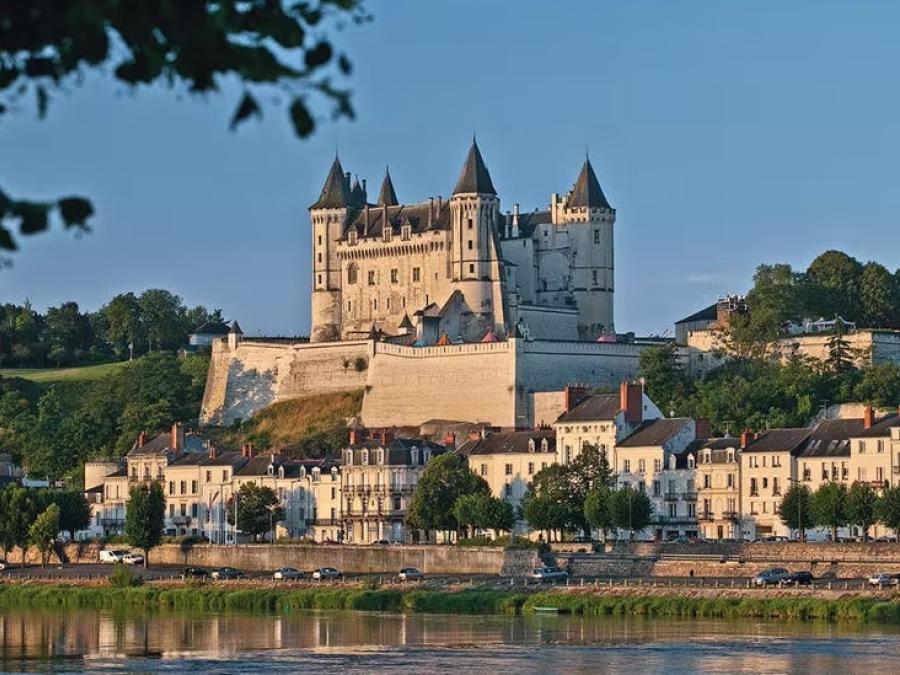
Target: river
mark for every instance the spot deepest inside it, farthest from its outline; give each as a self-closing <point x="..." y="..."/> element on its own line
<point x="358" y="642"/>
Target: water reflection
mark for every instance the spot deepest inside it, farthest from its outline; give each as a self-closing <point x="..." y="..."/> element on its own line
<point x="320" y="642"/>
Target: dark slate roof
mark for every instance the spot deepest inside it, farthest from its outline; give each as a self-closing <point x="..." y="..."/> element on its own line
<point x="706" y="314"/>
<point x="158" y="445"/>
<point x="528" y="222"/>
<point x="596" y="407"/>
<point x="586" y="193"/>
<point x="398" y="451"/>
<point x="236" y="328"/>
<point x="335" y="193"/>
<point x="357" y="195"/>
<point x="654" y="432"/>
<point x="882" y="427"/>
<point x="510" y="442"/>
<point x="212" y="328"/>
<point x="474" y="177"/>
<point x="779" y="440"/>
<point x="415" y="215"/>
<point x="387" y="196"/>
<point x="718" y="448"/>
<point x="831" y="438"/>
<point x="121" y="473"/>
<point x="406" y="322"/>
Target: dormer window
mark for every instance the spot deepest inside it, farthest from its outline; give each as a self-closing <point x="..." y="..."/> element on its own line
<point x="387" y="232"/>
<point x="414" y="456"/>
<point x="302" y="472"/>
<point x="315" y="475"/>
<point x="691" y="462"/>
<point x="381" y="456"/>
<point x="406" y="232"/>
<point x="281" y="472"/>
<point x="545" y="445"/>
<point x="426" y="455"/>
<point x="531" y="445"/>
<point x="352" y="237"/>
<point x="365" y="457"/>
<point x="348" y="457"/>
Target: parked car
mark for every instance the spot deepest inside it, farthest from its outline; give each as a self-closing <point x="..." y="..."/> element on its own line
<point x="112" y="555"/>
<point x="287" y="573"/>
<point x="133" y="559"/>
<point x="324" y="573"/>
<point x="549" y="574"/>
<point x="887" y="538"/>
<point x="883" y="579"/>
<point x="582" y="539"/>
<point x="771" y="539"/>
<point x="410" y="574"/>
<point x="194" y="573"/>
<point x="769" y="577"/>
<point x="679" y="540"/>
<point x="2" y="564"/>
<point x="381" y="542"/>
<point x="802" y="578"/>
<point x="225" y="573"/>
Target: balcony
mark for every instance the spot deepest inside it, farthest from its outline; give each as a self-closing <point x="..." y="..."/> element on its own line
<point x="896" y="468"/>
<point x="674" y="520"/>
<point x="690" y="496"/>
<point x="112" y="523"/>
<point x="671" y="496"/>
<point x="181" y="520"/>
<point x="730" y="515"/>
<point x="705" y="516"/>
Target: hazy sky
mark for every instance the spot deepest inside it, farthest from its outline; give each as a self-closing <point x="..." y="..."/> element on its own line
<point x="725" y="134"/>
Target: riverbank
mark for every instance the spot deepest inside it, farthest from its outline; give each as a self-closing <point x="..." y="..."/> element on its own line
<point x="682" y="603"/>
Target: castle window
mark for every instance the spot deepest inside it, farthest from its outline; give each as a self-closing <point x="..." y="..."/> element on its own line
<point x="470" y="223"/>
<point x="471" y="246"/>
<point x="351" y="237"/>
<point x="319" y="278"/>
<point x="320" y="240"/>
<point x="417" y="274"/>
<point x="594" y="277"/>
<point x="406" y="232"/>
<point x="395" y="276"/>
<point x="371" y="277"/>
<point x="403" y="302"/>
<point x="352" y="273"/>
<point x="471" y="269"/>
<point x="375" y="304"/>
<point x="596" y="236"/>
<point x="319" y="257"/>
<point x="387" y="232"/>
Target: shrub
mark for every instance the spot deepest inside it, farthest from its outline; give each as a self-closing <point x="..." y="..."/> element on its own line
<point x="123" y="577"/>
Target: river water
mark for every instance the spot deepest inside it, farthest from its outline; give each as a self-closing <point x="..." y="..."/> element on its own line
<point x="359" y="642"/>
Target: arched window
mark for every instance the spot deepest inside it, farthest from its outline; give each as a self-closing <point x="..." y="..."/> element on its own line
<point x="352" y="273"/>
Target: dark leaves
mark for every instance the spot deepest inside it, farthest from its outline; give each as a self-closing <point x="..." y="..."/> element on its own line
<point x="301" y="118"/>
<point x="6" y="241"/>
<point x="40" y="67"/>
<point x="42" y="100"/>
<point x="8" y="76"/>
<point x="344" y="64"/>
<point x="318" y="55"/>
<point x="247" y="107"/>
<point x="75" y="211"/>
<point x="33" y="217"/>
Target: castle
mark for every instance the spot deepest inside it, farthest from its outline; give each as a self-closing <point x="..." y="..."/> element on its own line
<point x="444" y="309"/>
<point x="460" y="267"/>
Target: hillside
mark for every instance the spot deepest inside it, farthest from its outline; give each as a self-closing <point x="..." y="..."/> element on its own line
<point x="303" y="427"/>
<point x="48" y="375"/>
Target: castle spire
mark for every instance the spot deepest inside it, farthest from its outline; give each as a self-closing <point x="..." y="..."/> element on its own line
<point x="387" y="196"/>
<point x="586" y="193"/>
<point x="474" y="177"/>
<point x="334" y="193"/>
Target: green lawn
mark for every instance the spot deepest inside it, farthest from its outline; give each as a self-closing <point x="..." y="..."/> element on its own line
<point x="46" y="375"/>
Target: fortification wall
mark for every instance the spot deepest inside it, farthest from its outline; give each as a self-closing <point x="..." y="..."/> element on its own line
<point x="244" y="380"/>
<point x="458" y="382"/>
<point x="545" y="365"/>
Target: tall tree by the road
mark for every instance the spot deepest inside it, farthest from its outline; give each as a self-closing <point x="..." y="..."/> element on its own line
<point x="145" y="517"/>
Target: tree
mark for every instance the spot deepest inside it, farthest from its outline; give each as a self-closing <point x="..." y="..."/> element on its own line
<point x="777" y="298"/>
<point x="664" y="379"/>
<point x="795" y="509"/>
<point x="879" y="385"/>
<point x="829" y="507"/>
<point x="840" y="355"/>
<point x="15" y="518"/>
<point x="836" y="277"/>
<point x="469" y="511"/>
<point x="630" y="510"/>
<point x="255" y="509"/>
<point x="553" y="501"/>
<point x="545" y="514"/>
<point x="482" y="511"/>
<point x="123" y="321"/>
<point x="597" y="509"/>
<point x="145" y="517"/>
<point x="48" y="45"/>
<point x="68" y="332"/>
<point x="162" y="314"/>
<point x="500" y="515"/>
<point x="862" y="507"/>
<point x="589" y="470"/>
<point x="445" y="479"/>
<point x="74" y="511"/>
<point x="44" y="530"/>
<point x="879" y="297"/>
<point x="888" y="510"/>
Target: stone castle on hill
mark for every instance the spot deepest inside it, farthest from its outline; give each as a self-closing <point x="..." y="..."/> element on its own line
<point x="461" y="267"/>
<point x="447" y="309"/>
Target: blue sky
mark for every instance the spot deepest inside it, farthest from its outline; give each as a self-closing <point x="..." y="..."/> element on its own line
<point x="725" y="133"/>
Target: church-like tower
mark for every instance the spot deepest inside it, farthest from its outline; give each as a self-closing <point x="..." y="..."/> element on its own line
<point x="474" y="260"/>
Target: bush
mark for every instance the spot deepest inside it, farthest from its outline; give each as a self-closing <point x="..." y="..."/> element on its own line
<point x="123" y="577"/>
<point x="509" y="543"/>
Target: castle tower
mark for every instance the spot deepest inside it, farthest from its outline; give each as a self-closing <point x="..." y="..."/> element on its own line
<point x="328" y="216"/>
<point x="591" y="220"/>
<point x="475" y="268"/>
<point x="387" y="196"/>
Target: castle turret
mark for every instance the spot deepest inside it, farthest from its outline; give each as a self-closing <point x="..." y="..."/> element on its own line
<point x="474" y="220"/>
<point x="387" y="196"/>
<point x="591" y="220"/>
<point x="328" y="216"/>
<point x="234" y="335"/>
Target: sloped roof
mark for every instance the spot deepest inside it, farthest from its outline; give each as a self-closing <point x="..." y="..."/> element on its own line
<point x="398" y="452"/>
<point x="831" y="438"/>
<point x="236" y="328"/>
<point x="211" y="328"/>
<point x="503" y="442"/>
<point x="387" y="196"/>
<point x="779" y="440"/>
<point x="596" y="407"/>
<point x="706" y="314"/>
<point x="422" y="217"/>
<point x="882" y="427"/>
<point x="335" y="194"/>
<point x="529" y="220"/>
<point x="654" y="432"/>
<point x="586" y="193"/>
<point x="474" y="177"/>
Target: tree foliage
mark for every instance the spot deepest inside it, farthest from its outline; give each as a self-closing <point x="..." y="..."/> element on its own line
<point x="43" y="531"/>
<point x="888" y="509"/>
<point x="862" y="507"/>
<point x="597" y="511"/>
<point x="255" y="509"/>
<point x="795" y="509"/>
<point x="46" y="46"/>
<point x="145" y="517"/>
<point x="829" y="507"/>
<point x="484" y="512"/>
<point x="445" y="479"/>
<point x="630" y="510"/>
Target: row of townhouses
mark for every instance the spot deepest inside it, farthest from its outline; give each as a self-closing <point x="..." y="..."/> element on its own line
<point x="716" y="488"/>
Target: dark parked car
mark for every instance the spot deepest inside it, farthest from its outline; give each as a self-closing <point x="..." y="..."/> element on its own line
<point x="287" y="573"/>
<point x="194" y="573"/>
<point x="770" y="577"/>
<point x="410" y="574"/>
<point x="549" y="574"/>
<point x="227" y="573"/>
<point x="324" y="573"/>
<point x="803" y="578"/>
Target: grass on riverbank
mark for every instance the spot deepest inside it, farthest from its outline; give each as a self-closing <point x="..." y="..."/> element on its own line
<point x="469" y="601"/>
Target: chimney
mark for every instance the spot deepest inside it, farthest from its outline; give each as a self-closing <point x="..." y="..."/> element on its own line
<point x="365" y="192"/>
<point x="474" y="435"/>
<point x="354" y="437"/>
<point x="430" y="210"/>
<point x="450" y="441"/>
<point x="868" y="416"/>
<point x="631" y="400"/>
<point x="213" y="451"/>
<point x="747" y="437"/>
<point x="177" y="443"/>
<point x="142" y="438"/>
<point x="575" y="394"/>
<point x="440" y="205"/>
<point x="515" y="221"/>
<point x="386" y="436"/>
<point x="701" y="425"/>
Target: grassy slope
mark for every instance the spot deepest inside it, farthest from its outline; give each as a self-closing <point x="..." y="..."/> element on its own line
<point x="48" y="375"/>
<point x="287" y="423"/>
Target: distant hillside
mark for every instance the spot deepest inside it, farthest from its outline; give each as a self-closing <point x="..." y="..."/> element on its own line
<point x="309" y="426"/>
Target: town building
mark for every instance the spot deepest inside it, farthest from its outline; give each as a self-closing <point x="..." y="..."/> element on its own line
<point x="718" y="483"/>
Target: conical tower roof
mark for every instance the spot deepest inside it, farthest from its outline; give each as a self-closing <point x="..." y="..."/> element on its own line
<point x="474" y="177"/>
<point x="236" y="328"/>
<point x="387" y="196"/>
<point x="586" y="192"/>
<point x="334" y="193"/>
